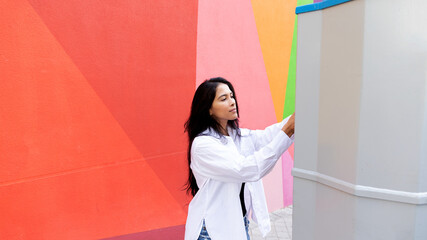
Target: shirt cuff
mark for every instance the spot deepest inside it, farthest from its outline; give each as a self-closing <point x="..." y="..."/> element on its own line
<point x="282" y="142"/>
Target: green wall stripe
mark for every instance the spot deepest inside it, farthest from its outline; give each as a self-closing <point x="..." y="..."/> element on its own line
<point x="289" y="106"/>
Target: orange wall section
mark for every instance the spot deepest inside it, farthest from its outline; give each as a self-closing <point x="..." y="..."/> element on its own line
<point x="275" y="25"/>
<point x="52" y="120"/>
<point x="94" y="96"/>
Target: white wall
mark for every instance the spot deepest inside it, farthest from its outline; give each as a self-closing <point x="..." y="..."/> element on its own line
<point x="361" y="127"/>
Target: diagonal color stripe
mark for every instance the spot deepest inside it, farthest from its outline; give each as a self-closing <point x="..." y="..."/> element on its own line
<point x="275" y="25"/>
<point x="174" y="232"/>
<point x="287" y="165"/>
<point x="289" y="106"/>
<point x="228" y="46"/>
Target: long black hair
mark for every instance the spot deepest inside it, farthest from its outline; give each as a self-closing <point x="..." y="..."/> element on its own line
<point x="200" y="120"/>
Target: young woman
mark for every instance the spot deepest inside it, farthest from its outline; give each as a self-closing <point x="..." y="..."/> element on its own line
<point x="226" y="165"/>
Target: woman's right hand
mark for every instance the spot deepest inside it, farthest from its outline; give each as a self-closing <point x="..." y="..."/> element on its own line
<point x="289" y="127"/>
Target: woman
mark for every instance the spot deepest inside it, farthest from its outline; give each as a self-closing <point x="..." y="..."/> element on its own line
<point x="226" y="165"/>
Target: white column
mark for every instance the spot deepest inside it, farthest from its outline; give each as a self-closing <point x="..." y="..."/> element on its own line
<point x="361" y="122"/>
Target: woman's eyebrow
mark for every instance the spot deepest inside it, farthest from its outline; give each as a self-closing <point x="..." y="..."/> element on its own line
<point x="225" y="94"/>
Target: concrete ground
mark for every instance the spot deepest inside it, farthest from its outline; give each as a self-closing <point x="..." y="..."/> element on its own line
<point x="281" y="226"/>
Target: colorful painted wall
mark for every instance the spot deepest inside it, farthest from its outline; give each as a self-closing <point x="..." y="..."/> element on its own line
<point x="94" y="95"/>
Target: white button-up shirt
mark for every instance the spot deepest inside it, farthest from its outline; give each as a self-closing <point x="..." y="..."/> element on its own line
<point x="220" y="165"/>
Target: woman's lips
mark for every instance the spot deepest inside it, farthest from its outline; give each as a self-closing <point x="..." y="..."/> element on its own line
<point x="233" y="110"/>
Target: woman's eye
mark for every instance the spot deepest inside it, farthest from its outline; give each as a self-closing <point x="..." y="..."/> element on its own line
<point x="223" y="99"/>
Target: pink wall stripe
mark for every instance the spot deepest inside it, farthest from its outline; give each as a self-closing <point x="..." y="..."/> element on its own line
<point x="228" y="46"/>
<point x="288" y="181"/>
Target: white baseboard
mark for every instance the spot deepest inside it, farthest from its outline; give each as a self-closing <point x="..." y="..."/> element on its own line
<point x="417" y="198"/>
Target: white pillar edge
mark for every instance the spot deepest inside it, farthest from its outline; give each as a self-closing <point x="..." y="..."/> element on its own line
<point x="416" y="198"/>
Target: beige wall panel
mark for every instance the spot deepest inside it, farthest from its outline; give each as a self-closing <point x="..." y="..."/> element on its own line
<point x="307" y="90"/>
<point x="392" y="141"/>
<point x="340" y="88"/>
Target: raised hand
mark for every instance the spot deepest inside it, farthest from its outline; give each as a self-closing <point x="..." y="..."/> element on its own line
<point x="289" y="127"/>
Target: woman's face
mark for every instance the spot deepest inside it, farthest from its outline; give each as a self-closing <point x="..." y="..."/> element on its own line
<point x="224" y="106"/>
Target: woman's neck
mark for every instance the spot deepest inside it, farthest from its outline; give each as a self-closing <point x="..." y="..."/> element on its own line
<point x="223" y="129"/>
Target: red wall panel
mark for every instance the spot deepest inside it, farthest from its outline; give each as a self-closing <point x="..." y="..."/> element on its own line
<point x="89" y="90"/>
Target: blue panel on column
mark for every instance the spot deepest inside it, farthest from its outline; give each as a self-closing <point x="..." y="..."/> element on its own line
<point x="318" y="6"/>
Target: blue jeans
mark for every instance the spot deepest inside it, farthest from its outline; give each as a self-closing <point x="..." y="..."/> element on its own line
<point x="205" y="236"/>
